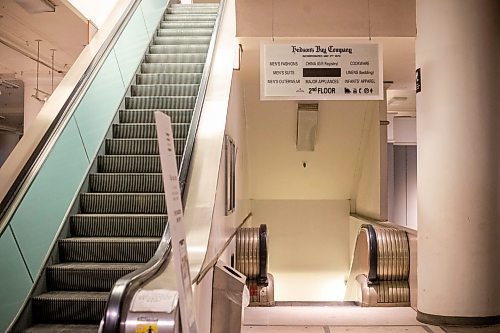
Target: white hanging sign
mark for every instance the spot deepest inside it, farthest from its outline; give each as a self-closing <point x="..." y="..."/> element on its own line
<point x="326" y="70"/>
<point x="173" y="199"/>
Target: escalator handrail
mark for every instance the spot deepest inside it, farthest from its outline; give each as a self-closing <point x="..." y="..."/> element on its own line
<point x="112" y="320"/>
<point x="372" y="243"/>
<point x="30" y="169"/>
<point x="127" y="285"/>
<point x="263" y="255"/>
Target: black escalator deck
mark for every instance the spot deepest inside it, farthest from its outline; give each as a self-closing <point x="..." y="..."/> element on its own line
<point x="123" y="215"/>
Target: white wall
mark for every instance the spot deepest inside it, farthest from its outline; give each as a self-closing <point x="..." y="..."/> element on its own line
<point x="300" y="194"/>
<point x="276" y="167"/>
<point x="224" y="226"/>
<point x="367" y="194"/>
<point x="308" y="247"/>
<point x="405" y="130"/>
<point x="403" y="185"/>
<point x="95" y="10"/>
<point x="458" y="159"/>
<point x="306" y="208"/>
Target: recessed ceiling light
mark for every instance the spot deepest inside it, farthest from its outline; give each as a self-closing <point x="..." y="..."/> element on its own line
<point x="37" y="6"/>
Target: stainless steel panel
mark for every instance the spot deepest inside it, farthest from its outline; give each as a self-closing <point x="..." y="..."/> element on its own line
<point x="227" y="298"/>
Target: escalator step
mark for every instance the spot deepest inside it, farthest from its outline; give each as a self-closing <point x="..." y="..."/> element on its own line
<point x="186" y="24"/>
<point x="62" y="328"/>
<point x="187" y="17"/>
<point x="108" y="249"/>
<point x="176" y="58"/>
<point x="148" y="116"/>
<point x="69" y="307"/>
<point x="192" y="5"/>
<point x="118" y="225"/>
<point x="132" y="147"/>
<point x="160" y="102"/>
<point x="182" y="67"/>
<point x="86" y="276"/>
<point x="130" y="163"/>
<point x="126" y="183"/>
<point x="146" y="130"/>
<point x="165" y="90"/>
<point x="174" y="49"/>
<point x="139" y="146"/>
<point x="181" y="40"/>
<point x="185" y="32"/>
<point x="192" y="10"/>
<point x="393" y="292"/>
<point x="169" y="78"/>
<point x="122" y="203"/>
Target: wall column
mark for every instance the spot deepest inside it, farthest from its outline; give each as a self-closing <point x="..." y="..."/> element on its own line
<point x="458" y="133"/>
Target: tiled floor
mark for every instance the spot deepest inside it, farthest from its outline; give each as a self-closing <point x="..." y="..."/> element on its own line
<point x="343" y="318"/>
<point x="475" y="329"/>
<point x="333" y="319"/>
<point x="336" y="329"/>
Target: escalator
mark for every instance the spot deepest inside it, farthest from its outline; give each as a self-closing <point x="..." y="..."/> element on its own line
<point x="121" y="213"/>
<point x="383" y="268"/>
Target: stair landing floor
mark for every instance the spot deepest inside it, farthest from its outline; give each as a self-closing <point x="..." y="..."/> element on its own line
<point x="335" y="317"/>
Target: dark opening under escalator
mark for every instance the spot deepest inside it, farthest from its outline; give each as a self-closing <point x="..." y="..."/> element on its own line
<point x="122" y="215"/>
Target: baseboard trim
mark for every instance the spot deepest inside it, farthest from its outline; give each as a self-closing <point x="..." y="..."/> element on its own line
<point x="455" y="320"/>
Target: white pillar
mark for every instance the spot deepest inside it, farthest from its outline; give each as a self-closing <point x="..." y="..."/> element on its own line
<point x="458" y="131"/>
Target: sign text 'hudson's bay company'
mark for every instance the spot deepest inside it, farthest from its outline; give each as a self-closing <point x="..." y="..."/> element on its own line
<point x="321" y="71"/>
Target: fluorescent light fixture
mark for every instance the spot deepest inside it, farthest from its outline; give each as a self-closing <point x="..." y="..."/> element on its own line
<point x="37" y="6"/>
<point x="8" y="84"/>
<point x="396" y="100"/>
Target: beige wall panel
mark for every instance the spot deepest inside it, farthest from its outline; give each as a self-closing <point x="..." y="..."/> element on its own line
<point x="308" y="247"/>
<point x="253" y="18"/>
<point x="368" y="193"/>
<point x="395" y="18"/>
<point x="325" y="18"/>
<point x="320" y="18"/>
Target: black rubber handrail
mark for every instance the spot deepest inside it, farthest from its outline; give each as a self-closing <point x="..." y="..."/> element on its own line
<point x="126" y="286"/>
<point x="262" y="278"/>
<point x="372" y="241"/>
<point x="130" y="283"/>
<point x="32" y="166"/>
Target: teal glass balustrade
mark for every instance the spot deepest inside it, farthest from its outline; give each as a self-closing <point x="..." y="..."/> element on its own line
<point x="27" y="240"/>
